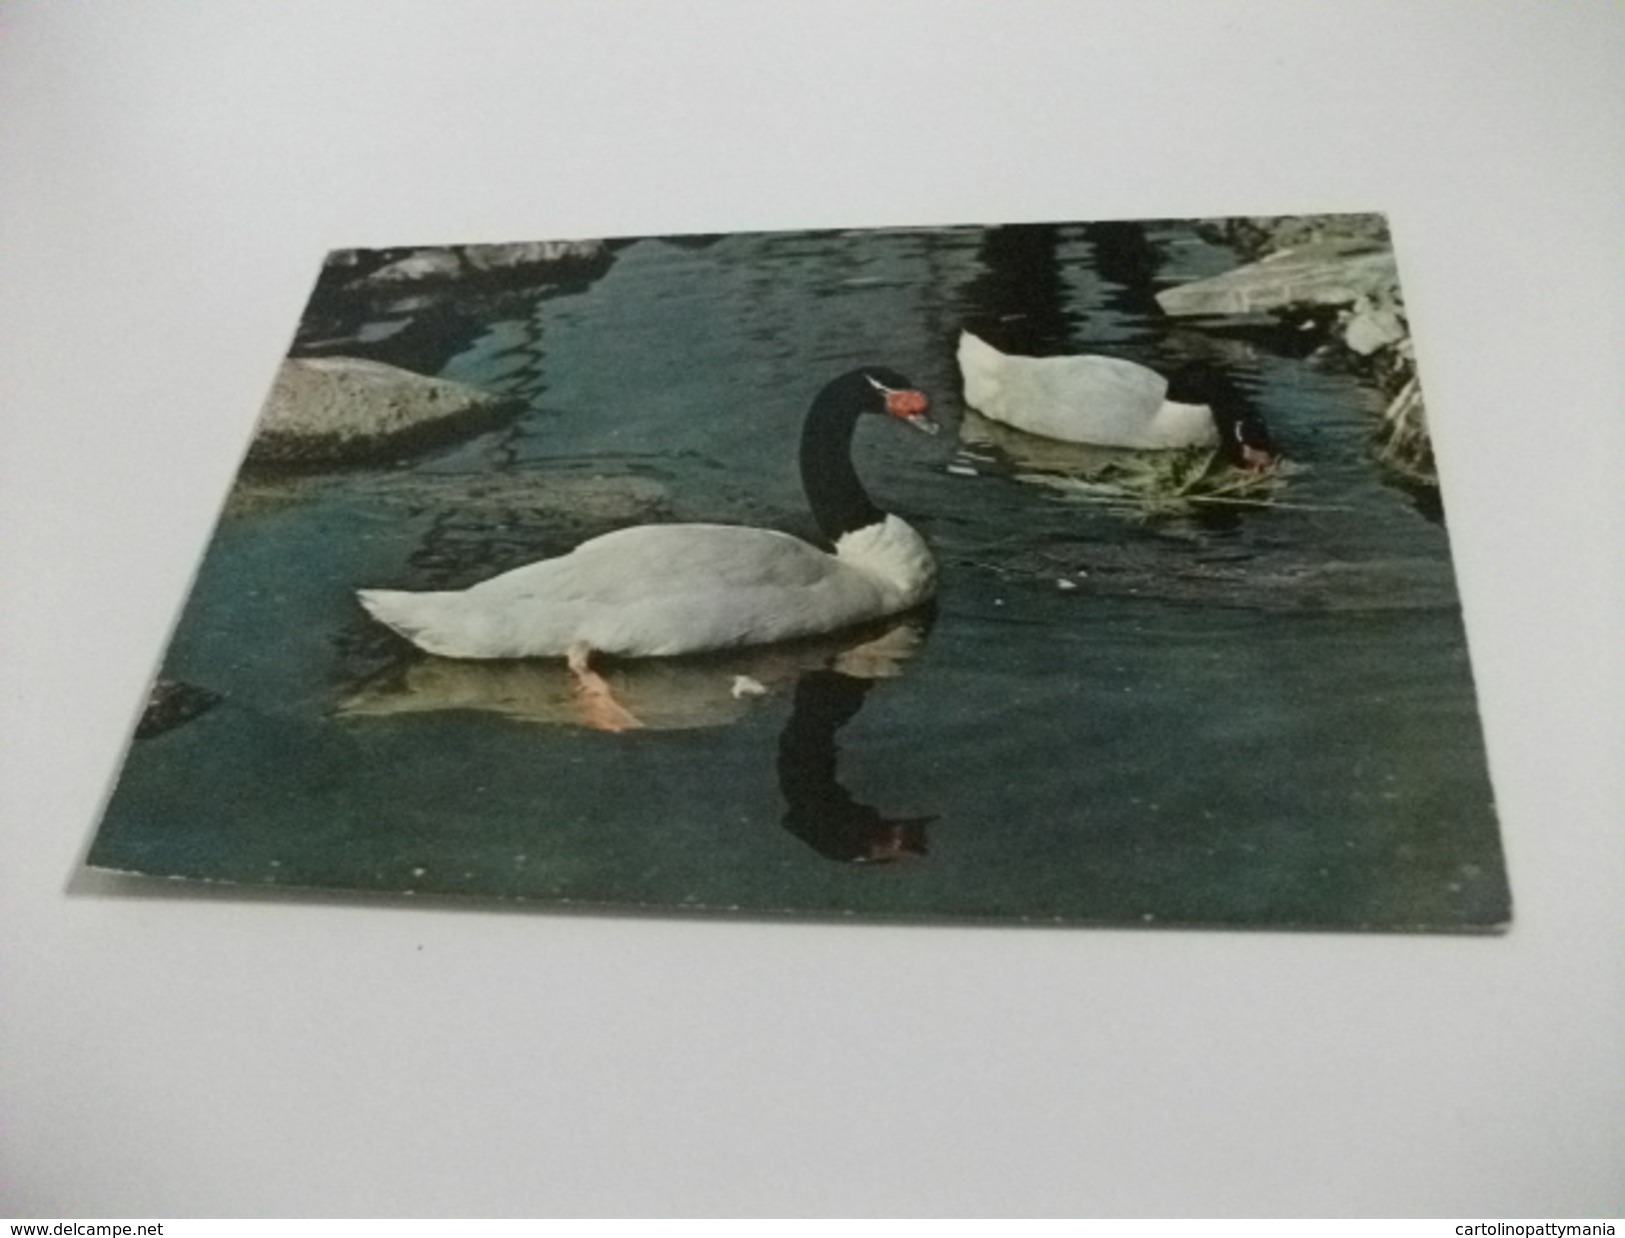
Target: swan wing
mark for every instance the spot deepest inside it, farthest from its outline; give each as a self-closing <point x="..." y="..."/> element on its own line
<point x="649" y="591"/>
<point x="633" y="564"/>
<point x="1081" y="399"/>
<point x="1088" y="399"/>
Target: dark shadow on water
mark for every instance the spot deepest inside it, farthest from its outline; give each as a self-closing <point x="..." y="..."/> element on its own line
<point x="1126" y="258"/>
<point x="693" y="240"/>
<point x="420" y="339"/>
<point x="421" y="328"/>
<point x="1425" y="498"/>
<point x="1018" y="302"/>
<point x="1291" y="337"/>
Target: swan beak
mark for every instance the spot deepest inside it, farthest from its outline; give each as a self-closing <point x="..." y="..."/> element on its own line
<point x="910" y="406"/>
<point x="921" y="422"/>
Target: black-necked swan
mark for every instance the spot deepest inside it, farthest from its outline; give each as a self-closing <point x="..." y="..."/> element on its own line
<point x="664" y="590"/>
<point x="1108" y="401"/>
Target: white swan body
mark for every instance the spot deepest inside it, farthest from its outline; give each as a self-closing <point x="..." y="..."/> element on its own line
<point x="1082" y="399"/>
<point x="669" y="590"/>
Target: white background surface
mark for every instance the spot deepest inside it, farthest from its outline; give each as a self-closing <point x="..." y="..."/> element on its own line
<point x="170" y="175"/>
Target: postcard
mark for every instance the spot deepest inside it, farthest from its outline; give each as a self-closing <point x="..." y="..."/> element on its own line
<point x="1079" y="573"/>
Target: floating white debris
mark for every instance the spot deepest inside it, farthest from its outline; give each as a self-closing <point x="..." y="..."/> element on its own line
<point x="962" y="470"/>
<point x="1064" y="583"/>
<point x="744" y="686"/>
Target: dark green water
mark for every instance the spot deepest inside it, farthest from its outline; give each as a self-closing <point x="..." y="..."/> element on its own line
<point x="1266" y="719"/>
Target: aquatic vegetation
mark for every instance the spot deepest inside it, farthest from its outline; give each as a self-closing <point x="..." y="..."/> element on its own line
<point x="1170" y="483"/>
<point x="1403" y="443"/>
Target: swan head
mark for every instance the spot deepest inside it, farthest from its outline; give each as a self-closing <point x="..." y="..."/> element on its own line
<point x="1244" y="439"/>
<point x="895" y="396"/>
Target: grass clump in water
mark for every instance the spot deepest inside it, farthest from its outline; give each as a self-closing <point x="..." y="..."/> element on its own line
<point x="1403" y="443"/>
<point x="1170" y="483"/>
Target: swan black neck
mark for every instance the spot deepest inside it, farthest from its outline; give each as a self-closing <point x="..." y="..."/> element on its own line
<point x="837" y="498"/>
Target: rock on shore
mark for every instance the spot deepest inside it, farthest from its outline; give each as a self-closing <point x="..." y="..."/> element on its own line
<point x="1328" y="273"/>
<point x="414" y="306"/>
<point x="433" y="265"/>
<point x="172" y="703"/>
<point x="340" y="410"/>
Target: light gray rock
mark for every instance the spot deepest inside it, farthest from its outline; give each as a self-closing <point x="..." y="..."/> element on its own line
<point x="489" y="259"/>
<point x="171" y="703"/>
<point x="426" y="265"/>
<point x="1333" y="273"/>
<point x="334" y="410"/>
<point x="439" y="265"/>
<point x="1372" y="327"/>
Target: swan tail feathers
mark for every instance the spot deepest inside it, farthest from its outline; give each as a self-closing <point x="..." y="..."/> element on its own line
<point x="421" y="618"/>
<point x="980" y="364"/>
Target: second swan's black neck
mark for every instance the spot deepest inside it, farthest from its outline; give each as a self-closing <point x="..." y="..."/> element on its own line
<point x="837" y="498"/>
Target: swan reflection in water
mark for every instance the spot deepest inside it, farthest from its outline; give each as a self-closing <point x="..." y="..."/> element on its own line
<point x="1018" y="449"/>
<point x="822" y="812"/>
<point x="827" y="679"/>
<point x="655" y="694"/>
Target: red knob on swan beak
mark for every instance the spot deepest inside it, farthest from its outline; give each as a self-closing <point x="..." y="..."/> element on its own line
<point x="910" y="406"/>
<point x="1257" y="457"/>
